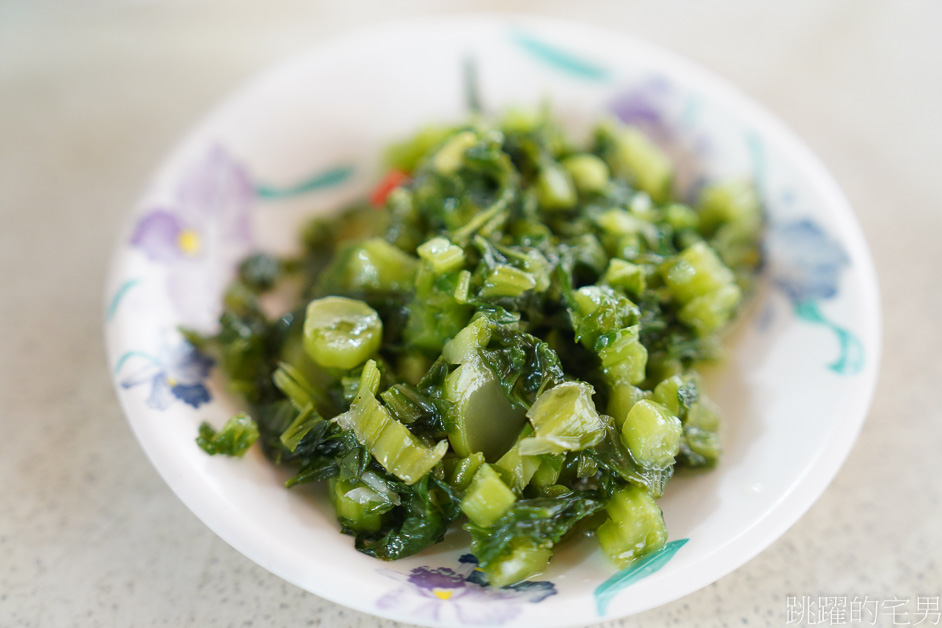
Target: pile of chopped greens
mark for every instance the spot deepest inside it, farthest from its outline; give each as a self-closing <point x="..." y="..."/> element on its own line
<point x="506" y="336"/>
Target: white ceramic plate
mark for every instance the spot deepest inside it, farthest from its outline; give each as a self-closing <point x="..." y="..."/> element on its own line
<point x="307" y="137"/>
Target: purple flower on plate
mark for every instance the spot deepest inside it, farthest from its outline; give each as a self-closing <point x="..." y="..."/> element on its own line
<point x="200" y="235"/>
<point x="643" y="104"/>
<point x="460" y="595"/>
<point x="212" y="207"/>
<point x="177" y="372"/>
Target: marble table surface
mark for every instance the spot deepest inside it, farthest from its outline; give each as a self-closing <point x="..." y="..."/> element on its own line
<point x="94" y="94"/>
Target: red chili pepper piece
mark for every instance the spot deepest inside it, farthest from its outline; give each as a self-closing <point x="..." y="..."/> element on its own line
<point x="393" y="179"/>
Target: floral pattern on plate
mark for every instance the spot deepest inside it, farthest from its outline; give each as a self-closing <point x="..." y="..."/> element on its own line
<point x="177" y="372"/>
<point x="461" y="595"/>
<point x="200" y="235"/>
<point x="807" y="267"/>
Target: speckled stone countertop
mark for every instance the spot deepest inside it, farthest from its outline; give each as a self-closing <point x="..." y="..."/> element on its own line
<point x="93" y="95"/>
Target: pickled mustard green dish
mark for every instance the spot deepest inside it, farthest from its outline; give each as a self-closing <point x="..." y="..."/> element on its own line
<point x="506" y="339"/>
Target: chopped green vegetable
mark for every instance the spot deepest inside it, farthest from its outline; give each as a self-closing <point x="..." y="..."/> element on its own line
<point x="564" y="418"/>
<point x="622" y="355"/>
<point x="451" y="156"/>
<point x="589" y="173"/>
<point x="516" y="468"/>
<point x="441" y="255"/>
<point x="547" y="473"/>
<point x="524" y="560"/>
<point x="555" y="188"/>
<point x="625" y="275"/>
<point x="487" y="498"/>
<point x="234" y="439"/>
<point x="635" y="526"/>
<point x="621" y="399"/>
<point x="466" y="343"/>
<point x="652" y="434"/>
<point x="459" y="337"/>
<point x="302" y="425"/>
<point x="479" y="418"/>
<point x="371" y="266"/>
<point x="637" y="159"/>
<point x="517" y="545"/>
<point x="390" y="442"/>
<point x="360" y="503"/>
<point x="695" y="272"/>
<point x="341" y="332"/>
<point x="465" y="470"/>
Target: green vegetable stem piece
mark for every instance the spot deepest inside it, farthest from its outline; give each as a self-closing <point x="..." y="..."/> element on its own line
<point x="487" y="498"/>
<point x="555" y="188"/>
<point x="296" y="387"/>
<point x="341" y="332"/>
<point x="465" y="470"/>
<point x="676" y="394"/>
<point x="441" y="255"/>
<point x="435" y="313"/>
<point x="518" y="545"/>
<point x="526" y="560"/>
<point x="625" y="275"/>
<point x="463" y="287"/>
<point x="598" y="310"/>
<point x="450" y="156"/>
<point x="635" y="158"/>
<point x="516" y="468"/>
<point x="589" y="173"/>
<point x="733" y="202"/>
<point x="407" y="155"/>
<point x="701" y="445"/>
<point x="361" y="503"/>
<point x="622" y="398"/>
<point x="635" y="526"/>
<point x="389" y="441"/>
<point x="466" y="343"/>
<point x="564" y="418"/>
<point x="623" y="356"/>
<point x="306" y="420"/>
<point x="695" y="272"/>
<point x="704" y="286"/>
<point x="680" y="217"/>
<point x="507" y="281"/>
<point x="479" y="416"/>
<point x="547" y="473"/>
<point x="652" y="434"/>
<point x="710" y="312"/>
<point x="373" y="266"/>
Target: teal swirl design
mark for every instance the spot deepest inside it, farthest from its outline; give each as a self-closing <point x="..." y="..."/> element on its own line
<point x="807" y="267"/>
<point x="118" y="296"/>
<point x="851" y="358"/>
<point x="560" y="58"/>
<point x="319" y="181"/>
<point x="638" y="570"/>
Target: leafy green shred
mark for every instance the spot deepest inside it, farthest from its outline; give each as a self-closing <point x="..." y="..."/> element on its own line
<point x="514" y="338"/>
<point x="427" y="509"/>
<point x="539" y="523"/>
<point x="234" y="439"/>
